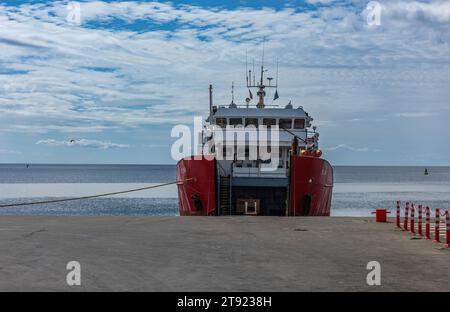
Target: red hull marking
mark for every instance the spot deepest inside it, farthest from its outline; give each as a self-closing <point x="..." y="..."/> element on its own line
<point x="201" y="186"/>
<point x="314" y="177"/>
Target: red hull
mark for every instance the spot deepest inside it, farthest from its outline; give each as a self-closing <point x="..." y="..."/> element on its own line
<point x="310" y="187"/>
<point x="196" y="195"/>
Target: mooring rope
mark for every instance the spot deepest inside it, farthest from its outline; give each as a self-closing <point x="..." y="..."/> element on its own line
<point x="91" y="196"/>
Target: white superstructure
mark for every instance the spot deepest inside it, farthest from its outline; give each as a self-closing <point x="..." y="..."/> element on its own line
<point x="291" y="123"/>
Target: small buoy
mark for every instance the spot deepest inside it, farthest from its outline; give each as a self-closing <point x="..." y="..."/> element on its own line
<point x="426" y="171"/>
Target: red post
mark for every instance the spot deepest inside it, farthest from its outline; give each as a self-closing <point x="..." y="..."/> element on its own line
<point x="447" y="229"/>
<point x="427" y="223"/>
<point x="419" y="226"/>
<point x="413" y="230"/>
<point x="436" y="226"/>
<point x="405" y="221"/>
<point x="398" y="214"/>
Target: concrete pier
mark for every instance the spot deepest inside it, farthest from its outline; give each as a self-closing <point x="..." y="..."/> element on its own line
<point x="215" y="254"/>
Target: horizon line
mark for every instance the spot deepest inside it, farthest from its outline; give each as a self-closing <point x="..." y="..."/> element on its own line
<point x="174" y="164"/>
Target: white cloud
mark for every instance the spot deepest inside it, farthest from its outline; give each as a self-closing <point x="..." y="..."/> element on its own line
<point x="82" y="143"/>
<point x="158" y="76"/>
<point x="416" y="114"/>
<point x="437" y="11"/>
<point x="346" y="147"/>
<point x="319" y="1"/>
<point x="9" y="152"/>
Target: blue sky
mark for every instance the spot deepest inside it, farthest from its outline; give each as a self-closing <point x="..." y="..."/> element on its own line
<point x="118" y="82"/>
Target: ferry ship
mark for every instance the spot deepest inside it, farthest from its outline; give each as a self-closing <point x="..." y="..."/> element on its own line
<point x="225" y="182"/>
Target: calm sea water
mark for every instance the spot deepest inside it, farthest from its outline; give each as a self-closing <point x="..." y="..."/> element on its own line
<point x="357" y="191"/>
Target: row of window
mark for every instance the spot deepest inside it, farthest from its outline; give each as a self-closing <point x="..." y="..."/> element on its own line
<point x="268" y="122"/>
<point x="233" y="151"/>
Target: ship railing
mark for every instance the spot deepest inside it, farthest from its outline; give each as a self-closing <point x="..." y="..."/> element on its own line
<point x="247" y="106"/>
<point x="257" y="172"/>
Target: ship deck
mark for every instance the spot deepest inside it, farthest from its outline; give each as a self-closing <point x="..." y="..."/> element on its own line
<point x="215" y="253"/>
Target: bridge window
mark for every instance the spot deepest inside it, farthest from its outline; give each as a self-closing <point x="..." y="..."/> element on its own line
<point x="268" y="122"/>
<point x="286" y="123"/>
<point x="222" y="122"/>
<point x="235" y="121"/>
<point x="251" y="122"/>
<point x="227" y="152"/>
<point x="299" y="123"/>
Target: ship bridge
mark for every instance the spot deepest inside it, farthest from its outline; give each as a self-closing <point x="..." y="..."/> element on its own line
<point x="246" y="124"/>
<point x="291" y="122"/>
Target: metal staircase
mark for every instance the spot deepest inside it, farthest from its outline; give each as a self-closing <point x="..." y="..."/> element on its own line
<point x="225" y="195"/>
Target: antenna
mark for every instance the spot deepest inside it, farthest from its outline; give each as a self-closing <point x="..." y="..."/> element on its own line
<point x="262" y="71"/>
<point x="246" y="69"/>
<point x="263" y="47"/>
<point x="261" y="85"/>
<point x="232" y="105"/>
<point x="262" y="63"/>
<point x="232" y="92"/>
<point x="276" y="96"/>
<point x="254" y="80"/>
<point x="276" y="77"/>
<point x="210" y="102"/>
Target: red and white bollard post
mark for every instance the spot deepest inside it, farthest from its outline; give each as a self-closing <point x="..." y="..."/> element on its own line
<point x="427" y="222"/>
<point x="405" y="221"/>
<point x="447" y="229"/>
<point x="436" y="226"/>
<point x="419" y="225"/>
<point x="398" y="214"/>
<point x="413" y="230"/>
